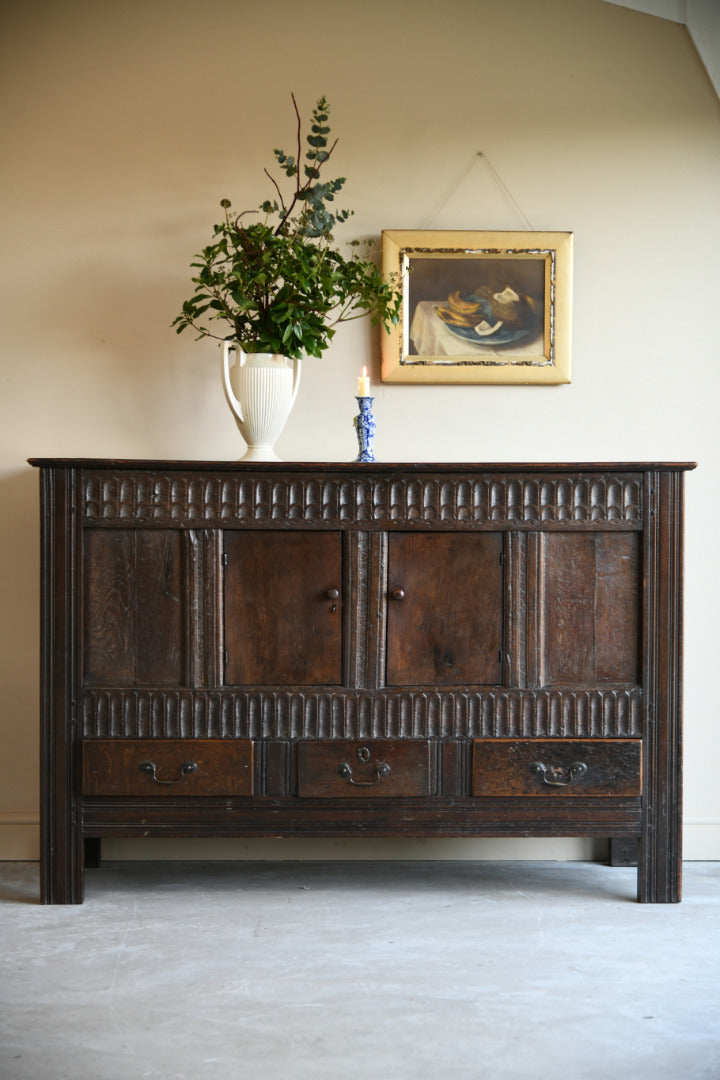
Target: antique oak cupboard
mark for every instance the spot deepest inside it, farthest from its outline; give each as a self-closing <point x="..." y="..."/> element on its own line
<point x="360" y="650"/>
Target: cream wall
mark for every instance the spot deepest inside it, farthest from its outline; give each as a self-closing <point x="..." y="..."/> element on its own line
<point x="124" y="124"/>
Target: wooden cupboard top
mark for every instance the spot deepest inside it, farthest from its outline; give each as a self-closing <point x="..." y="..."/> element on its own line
<point x="323" y="495"/>
<point x="351" y="467"/>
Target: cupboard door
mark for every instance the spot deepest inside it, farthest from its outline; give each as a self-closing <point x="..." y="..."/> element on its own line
<point x="283" y="608"/>
<point x="590" y="609"/>
<point x="133" y="609"/>
<point x="445" y="609"/>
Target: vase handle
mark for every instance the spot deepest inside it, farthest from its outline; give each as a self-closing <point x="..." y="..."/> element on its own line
<point x="296" y="380"/>
<point x="232" y="401"/>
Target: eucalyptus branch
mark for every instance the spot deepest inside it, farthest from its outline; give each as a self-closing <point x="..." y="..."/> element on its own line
<point x="296" y="196"/>
<point x="300" y="188"/>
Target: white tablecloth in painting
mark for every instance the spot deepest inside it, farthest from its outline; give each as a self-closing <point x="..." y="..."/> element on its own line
<point x="432" y="337"/>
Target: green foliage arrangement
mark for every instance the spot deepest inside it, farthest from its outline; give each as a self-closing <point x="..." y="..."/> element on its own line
<point x="281" y="285"/>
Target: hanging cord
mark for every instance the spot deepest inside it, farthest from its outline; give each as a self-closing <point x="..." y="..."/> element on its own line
<point x="493" y="172"/>
<point x="452" y="190"/>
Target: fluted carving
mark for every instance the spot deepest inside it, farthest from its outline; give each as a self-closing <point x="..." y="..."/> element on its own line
<point x="237" y="714"/>
<point x="207" y="498"/>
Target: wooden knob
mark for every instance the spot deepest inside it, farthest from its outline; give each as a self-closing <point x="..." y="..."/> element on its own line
<point x="397" y="594"/>
<point x="332" y="594"/>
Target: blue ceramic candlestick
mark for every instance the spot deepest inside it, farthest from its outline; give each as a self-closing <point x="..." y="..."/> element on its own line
<point x="365" y="428"/>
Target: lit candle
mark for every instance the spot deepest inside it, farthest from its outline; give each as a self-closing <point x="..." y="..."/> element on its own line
<point x="364" y="384"/>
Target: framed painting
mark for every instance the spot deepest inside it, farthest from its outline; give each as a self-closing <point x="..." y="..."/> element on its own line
<point x="480" y="307"/>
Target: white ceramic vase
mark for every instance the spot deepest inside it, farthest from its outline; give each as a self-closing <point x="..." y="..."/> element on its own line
<point x="260" y="389"/>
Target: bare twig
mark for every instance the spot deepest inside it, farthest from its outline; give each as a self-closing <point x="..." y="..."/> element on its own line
<point x="275" y="184"/>
<point x="242" y="215"/>
<point x="299" y="143"/>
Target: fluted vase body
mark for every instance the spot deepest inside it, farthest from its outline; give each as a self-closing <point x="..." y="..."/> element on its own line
<point x="260" y="389"/>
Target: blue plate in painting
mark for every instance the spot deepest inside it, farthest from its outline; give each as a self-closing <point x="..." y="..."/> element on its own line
<point x="500" y="337"/>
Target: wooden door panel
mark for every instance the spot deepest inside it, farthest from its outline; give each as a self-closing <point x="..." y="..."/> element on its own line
<point x="159" y="611"/>
<point x="445" y="609"/>
<point x="283" y="608"/>
<point x="132" y="618"/>
<point x="568" y="608"/>
<point x="108" y="623"/>
<point x="618" y="615"/>
<point x="590" y="608"/>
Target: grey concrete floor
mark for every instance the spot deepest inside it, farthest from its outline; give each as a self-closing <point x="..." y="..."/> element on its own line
<point x="400" y="971"/>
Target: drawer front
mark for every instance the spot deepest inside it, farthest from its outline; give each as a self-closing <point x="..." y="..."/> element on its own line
<point x="169" y="767"/>
<point x="373" y="770"/>
<point x="563" y="767"/>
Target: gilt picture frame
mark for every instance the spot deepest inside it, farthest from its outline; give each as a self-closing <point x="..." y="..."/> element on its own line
<point x="480" y="307"/>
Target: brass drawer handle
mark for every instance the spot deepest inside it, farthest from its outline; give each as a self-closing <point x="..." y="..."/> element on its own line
<point x="552" y="775"/>
<point x="381" y="770"/>
<point x="150" y="768"/>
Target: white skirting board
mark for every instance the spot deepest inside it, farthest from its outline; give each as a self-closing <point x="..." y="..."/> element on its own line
<point x="19" y="838"/>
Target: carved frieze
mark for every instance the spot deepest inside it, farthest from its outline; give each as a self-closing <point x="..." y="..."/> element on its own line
<point x="119" y="713"/>
<point x="464" y="499"/>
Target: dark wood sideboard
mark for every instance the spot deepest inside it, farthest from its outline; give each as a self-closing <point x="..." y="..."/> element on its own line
<point x="329" y="650"/>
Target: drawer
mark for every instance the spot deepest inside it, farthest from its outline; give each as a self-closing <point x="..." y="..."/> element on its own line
<point x="568" y="767"/>
<point x="170" y="767"/>
<point x="373" y="770"/>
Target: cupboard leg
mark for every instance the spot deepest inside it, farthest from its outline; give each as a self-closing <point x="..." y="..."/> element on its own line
<point x="62" y="877"/>
<point x="62" y="853"/>
<point x="623" y="851"/>
<point x="93" y="852"/>
<point x="659" y="873"/>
